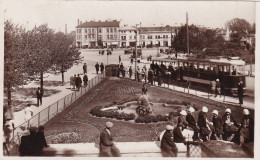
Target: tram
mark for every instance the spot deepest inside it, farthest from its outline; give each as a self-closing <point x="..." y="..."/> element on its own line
<point x="229" y="71"/>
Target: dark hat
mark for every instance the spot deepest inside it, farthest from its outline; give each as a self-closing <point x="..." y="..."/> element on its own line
<point x="33" y="129"/>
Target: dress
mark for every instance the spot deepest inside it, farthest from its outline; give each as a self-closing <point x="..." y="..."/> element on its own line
<point x="168" y="146"/>
<point x="107" y="147"/>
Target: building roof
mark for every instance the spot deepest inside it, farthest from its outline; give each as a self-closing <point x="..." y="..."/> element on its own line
<point x="127" y="28"/>
<point x="90" y="24"/>
<point x="156" y="29"/>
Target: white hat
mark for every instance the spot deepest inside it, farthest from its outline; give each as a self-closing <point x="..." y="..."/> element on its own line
<point x="143" y="80"/>
<point x="204" y="109"/>
<point x="183" y="112"/>
<point x="228" y="110"/>
<point x="246" y="112"/>
<point x="169" y="127"/>
<point x="191" y="109"/>
<point x="109" y="124"/>
<point x="215" y="112"/>
<point x="217" y="79"/>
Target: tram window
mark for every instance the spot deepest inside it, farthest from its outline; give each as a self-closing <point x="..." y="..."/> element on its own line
<point x="201" y="67"/>
<point x="234" y="70"/>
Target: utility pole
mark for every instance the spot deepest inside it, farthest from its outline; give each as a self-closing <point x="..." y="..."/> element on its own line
<point x="136" y="54"/>
<point x="188" y="45"/>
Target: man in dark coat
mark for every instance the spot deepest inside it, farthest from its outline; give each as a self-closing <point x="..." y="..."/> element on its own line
<point x="192" y="124"/>
<point x="28" y="146"/>
<point x="85" y="79"/>
<point x="84" y="68"/>
<point x="41" y="141"/>
<point x="119" y="58"/>
<point x="39" y="96"/>
<point x="102" y="68"/>
<point x="78" y="82"/>
<point x="168" y="146"/>
<point x="152" y="66"/>
<point x="240" y="92"/>
<point x="97" y="67"/>
<point x="230" y="125"/>
<point x="107" y="146"/>
<point x="130" y="72"/>
<point x="122" y="70"/>
<point x="150" y="76"/>
<point x="177" y="134"/>
<point x="218" y="126"/>
<point x="203" y="124"/>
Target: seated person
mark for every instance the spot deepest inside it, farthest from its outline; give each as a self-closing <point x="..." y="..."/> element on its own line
<point x="177" y="134"/>
<point x="168" y="146"/>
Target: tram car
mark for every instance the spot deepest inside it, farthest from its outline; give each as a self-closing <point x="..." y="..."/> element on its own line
<point x="229" y="71"/>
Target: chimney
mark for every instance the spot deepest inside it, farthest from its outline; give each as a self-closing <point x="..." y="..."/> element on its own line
<point x="78" y="22"/>
<point x="65" y="28"/>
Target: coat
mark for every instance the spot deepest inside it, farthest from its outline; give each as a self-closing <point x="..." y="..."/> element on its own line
<point x="41" y="140"/>
<point x="97" y="67"/>
<point x="227" y="127"/>
<point x="167" y="142"/>
<point x="28" y="146"/>
<point x="218" y="125"/>
<point x="247" y="127"/>
<point x="106" y="139"/>
<point x="240" y="90"/>
<point x="202" y="119"/>
<point x="191" y="120"/>
<point x="178" y="136"/>
<point x="78" y="81"/>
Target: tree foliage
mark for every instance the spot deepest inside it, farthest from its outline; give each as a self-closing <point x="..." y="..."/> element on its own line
<point x="238" y="25"/>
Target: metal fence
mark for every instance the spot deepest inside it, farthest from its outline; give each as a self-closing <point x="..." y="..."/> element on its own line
<point x="48" y="113"/>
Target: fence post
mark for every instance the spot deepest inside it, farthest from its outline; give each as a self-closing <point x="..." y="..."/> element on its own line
<point x="188" y="150"/>
<point x="39" y="116"/>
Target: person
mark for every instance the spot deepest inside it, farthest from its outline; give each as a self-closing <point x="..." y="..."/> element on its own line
<point x="28" y="144"/>
<point x="84" y="68"/>
<point x="203" y="124"/>
<point x="85" y="79"/>
<point x="41" y="141"/>
<point x="121" y="68"/>
<point x="159" y="79"/>
<point x="168" y="147"/>
<point x="130" y="72"/>
<point x="78" y="82"/>
<point x="119" y="59"/>
<point x="107" y="145"/>
<point x="182" y="119"/>
<point x="177" y="134"/>
<point x="39" y="96"/>
<point x="97" y="67"/>
<point x="192" y="124"/>
<point x="74" y="81"/>
<point x="150" y="76"/>
<point x="230" y="126"/>
<point x="102" y="68"/>
<point x="217" y="126"/>
<point x="218" y="88"/>
<point x="72" y="86"/>
<point x="137" y="74"/>
<point x="213" y="87"/>
<point x="144" y="89"/>
<point x="247" y="128"/>
<point x="28" y="114"/>
<point x="240" y="92"/>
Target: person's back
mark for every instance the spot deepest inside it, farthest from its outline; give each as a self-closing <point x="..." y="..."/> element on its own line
<point x="177" y="134"/>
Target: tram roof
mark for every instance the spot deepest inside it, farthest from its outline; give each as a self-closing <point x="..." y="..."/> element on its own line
<point x="220" y="61"/>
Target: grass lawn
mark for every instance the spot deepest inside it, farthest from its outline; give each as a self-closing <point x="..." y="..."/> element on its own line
<point x="75" y="121"/>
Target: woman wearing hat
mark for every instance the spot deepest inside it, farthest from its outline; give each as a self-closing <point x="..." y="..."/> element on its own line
<point x="203" y="124"/>
<point x="168" y="146"/>
<point x="230" y="125"/>
<point x="218" y="126"/>
<point x="107" y="146"/>
<point x="182" y="119"/>
<point x="247" y="128"/>
<point x="192" y="124"/>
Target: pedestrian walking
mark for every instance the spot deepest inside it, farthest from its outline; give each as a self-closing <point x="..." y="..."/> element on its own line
<point x="72" y="86"/>
<point x="168" y="147"/>
<point x="213" y="87"/>
<point x="218" y="88"/>
<point x="28" y="112"/>
<point x="39" y="96"/>
<point x="97" y="67"/>
<point x="78" y="82"/>
<point x="85" y="80"/>
<point x="130" y="72"/>
<point x="85" y="68"/>
<point x="122" y="69"/>
<point x="119" y="59"/>
<point x="107" y="144"/>
<point x="102" y="68"/>
<point x="240" y="92"/>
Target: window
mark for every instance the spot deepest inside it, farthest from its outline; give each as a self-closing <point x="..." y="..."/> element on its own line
<point x="99" y="30"/>
<point x="123" y="37"/>
<point x="114" y="29"/>
<point x="111" y="29"/>
<point x="111" y="36"/>
<point x="107" y="30"/>
<point x="79" y="37"/>
<point x="86" y="36"/>
<point x="78" y="30"/>
<point x="89" y="36"/>
<point x="93" y="30"/>
<point x="163" y="36"/>
<point x="107" y="36"/>
<point x="150" y="37"/>
<point x="143" y="36"/>
<point x="92" y="36"/>
<point x="89" y="30"/>
<point x="130" y="37"/>
<point x="86" y="31"/>
<point x="115" y="37"/>
<point x="134" y="37"/>
<point x="166" y="36"/>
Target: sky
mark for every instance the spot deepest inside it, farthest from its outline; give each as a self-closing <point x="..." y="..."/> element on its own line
<point x="150" y="13"/>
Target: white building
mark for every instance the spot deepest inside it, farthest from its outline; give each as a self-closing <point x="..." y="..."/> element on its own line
<point x="127" y="36"/>
<point x="100" y="33"/>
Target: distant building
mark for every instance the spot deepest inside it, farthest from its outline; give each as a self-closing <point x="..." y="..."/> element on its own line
<point x="225" y="33"/>
<point x="127" y="36"/>
<point x="97" y="33"/>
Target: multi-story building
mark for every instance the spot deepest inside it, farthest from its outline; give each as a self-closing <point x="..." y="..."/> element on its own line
<point x="97" y="33"/>
<point x="127" y="36"/>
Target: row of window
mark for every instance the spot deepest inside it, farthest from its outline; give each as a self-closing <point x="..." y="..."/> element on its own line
<point x="111" y="37"/>
<point x="93" y="30"/>
<point x="130" y="37"/>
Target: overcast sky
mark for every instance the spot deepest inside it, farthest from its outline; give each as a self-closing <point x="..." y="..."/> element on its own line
<point x="58" y="13"/>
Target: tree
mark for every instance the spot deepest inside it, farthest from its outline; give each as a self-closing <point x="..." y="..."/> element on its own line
<point x="13" y="58"/>
<point x="238" y="25"/>
<point x="65" y="53"/>
<point x="38" y="44"/>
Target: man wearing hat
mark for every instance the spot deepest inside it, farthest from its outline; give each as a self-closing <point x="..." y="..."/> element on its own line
<point x="177" y="134"/>
<point x="107" y="146"/>
<point x="168" y="146"/>
<point x="217" y="126"/>
<point x="182" y="119"/>
<point x="218" y="88"/>
<point x="192" y="124"/>
<point x="203" y="124"/>
<point x="230" y="125"/>
<point x="247" y="128"/>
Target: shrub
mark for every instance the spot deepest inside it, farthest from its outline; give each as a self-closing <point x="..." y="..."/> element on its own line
<point x="185" y="103"/>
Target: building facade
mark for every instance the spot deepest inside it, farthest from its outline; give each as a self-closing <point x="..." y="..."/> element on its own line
<point x="100" y="33"/>
<point x="127" y="36"/>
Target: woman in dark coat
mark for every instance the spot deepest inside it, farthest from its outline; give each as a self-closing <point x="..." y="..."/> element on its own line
<point x="168" y="146"/>
<point x="230" y="126"/>
<point x="203" y="124"/>
<point x="192" y="124"/>
<point x="218" y="126"/>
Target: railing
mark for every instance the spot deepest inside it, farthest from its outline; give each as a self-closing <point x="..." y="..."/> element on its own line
<point x="48" y="113"/>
